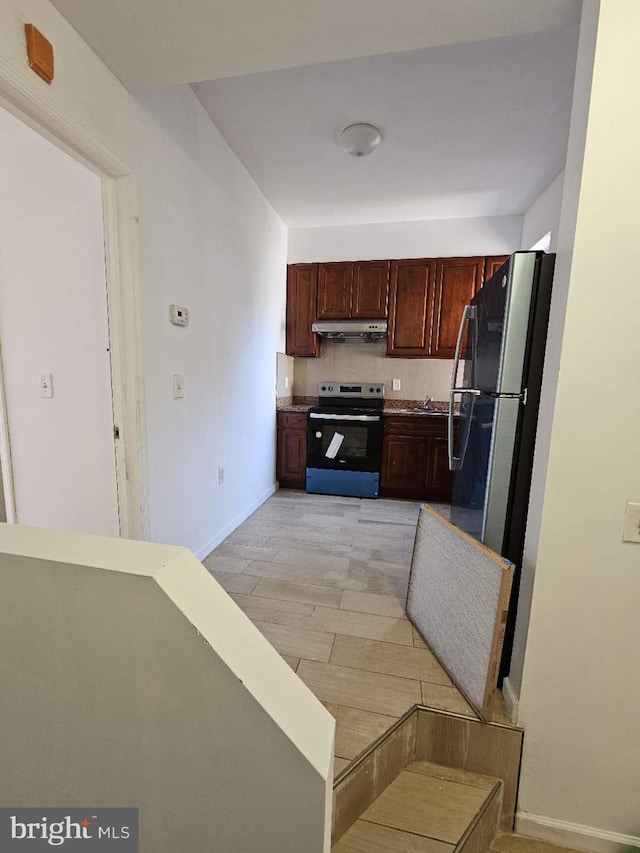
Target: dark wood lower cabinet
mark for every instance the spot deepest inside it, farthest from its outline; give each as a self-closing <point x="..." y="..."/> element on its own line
<point x="415" y="461"/>
<point x="291" y="459"/>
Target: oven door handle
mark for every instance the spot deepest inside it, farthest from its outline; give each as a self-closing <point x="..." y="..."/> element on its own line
<point x="323" y="417"/>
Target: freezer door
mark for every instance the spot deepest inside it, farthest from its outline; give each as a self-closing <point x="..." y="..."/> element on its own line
<point x="482" y="484"/>
<point x="503" y="310"/>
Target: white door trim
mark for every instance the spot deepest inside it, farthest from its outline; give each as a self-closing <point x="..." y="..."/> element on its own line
<point x="5" y="454"/>
<point x="23" y="95"/>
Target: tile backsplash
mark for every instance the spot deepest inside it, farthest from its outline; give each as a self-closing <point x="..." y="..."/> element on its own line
<point x="355" y="360"/>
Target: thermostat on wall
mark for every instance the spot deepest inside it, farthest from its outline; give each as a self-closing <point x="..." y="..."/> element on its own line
<point x="179" y="315"/>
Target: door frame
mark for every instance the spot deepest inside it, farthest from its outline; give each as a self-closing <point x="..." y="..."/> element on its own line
<point x="23" y="96"/>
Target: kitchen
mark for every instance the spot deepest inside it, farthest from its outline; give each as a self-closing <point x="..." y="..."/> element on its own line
<point x="568" y="617"/>
<point x="408" y="283"/>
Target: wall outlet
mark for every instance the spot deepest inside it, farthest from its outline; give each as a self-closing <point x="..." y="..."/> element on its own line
<point x="220" y="476"/>
<point x="396" y="385"/>
<point x="286" y="381"/>
<point x="178" y="387"/>
<point x="45" y="385"/>
<point x="631" y="531"/>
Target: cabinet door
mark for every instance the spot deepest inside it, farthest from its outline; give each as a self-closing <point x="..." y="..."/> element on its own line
<point x="370" y="290"/>
<point x="457" y="281"/>
<point x="403" y="465"/>
<point x="492" y="265"/>
<point x="410" y="299"/>
<point x="292" y="458"/>
<point x="302" y="294"/>
<point x="439" y="479"/>
<point x="334" y="291"/>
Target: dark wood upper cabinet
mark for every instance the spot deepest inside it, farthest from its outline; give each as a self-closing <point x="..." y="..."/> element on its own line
<point x="410" y="301"/>
<point x="492" y="264"/>
<point x="335" y="283"/>
<point x="423" y="298"/>
<point x="457" y="282"/>
<point x="370" y="290"/>
<point x="302" y="296"/>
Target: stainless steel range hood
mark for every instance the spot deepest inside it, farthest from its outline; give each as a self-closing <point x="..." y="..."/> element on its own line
<point x="340" y="330"/>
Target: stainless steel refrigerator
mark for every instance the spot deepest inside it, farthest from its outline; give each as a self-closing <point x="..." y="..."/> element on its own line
<point x="495" y="396"/>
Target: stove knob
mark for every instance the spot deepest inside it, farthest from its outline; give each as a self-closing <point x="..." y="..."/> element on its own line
<point x="371" y="390"/>
<point x="324" y="388"/>
<point x="330" y="387"/>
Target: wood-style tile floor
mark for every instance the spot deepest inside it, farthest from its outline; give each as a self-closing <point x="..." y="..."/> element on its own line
<point x="325" y="580"/>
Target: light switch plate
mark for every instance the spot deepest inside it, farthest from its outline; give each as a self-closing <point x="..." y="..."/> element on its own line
<point x="178" y="387"/>
<point x="396" y="385"/>
<point x="632" y="523"/>
<point x="45" y="384"/>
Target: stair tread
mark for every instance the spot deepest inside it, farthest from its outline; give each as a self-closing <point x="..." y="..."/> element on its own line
<point x="365" y="837"/>
<point x="453" y="774"/>
<point x="427" y="805"/>
<point x="513" y="843"/>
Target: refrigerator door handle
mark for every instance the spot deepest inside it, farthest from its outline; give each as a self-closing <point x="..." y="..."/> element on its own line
<point x="469" y="313"/>
<point x="455" y="462"/>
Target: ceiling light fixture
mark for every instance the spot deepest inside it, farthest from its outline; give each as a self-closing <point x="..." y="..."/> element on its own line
<point x="360" y="139"/>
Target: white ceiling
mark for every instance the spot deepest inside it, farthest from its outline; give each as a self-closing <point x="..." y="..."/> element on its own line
<point x="472" y="96"/>
<point x="154" y="43"/>
<point x="475" y="129"/>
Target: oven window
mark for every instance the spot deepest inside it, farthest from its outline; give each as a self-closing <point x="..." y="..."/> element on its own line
<point x="344" y="445"/>
<point x="345" y="442"/>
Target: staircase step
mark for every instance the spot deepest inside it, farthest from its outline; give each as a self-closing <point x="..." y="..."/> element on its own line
<point x="512" y="843"/>
<point x="427" y="808"/>
<point x="364" y="837"/>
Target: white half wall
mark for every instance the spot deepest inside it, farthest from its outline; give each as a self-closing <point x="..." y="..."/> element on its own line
<point x="435" y="238"/>
<point x="543" y="216"/>
<point x="580" y="690"/>
<point x="207" y="239"/>
<point x="53" y="319"/>
<point x="132" y="679"/>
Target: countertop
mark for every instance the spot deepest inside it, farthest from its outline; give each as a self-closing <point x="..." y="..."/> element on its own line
<point x="393" y="408"/>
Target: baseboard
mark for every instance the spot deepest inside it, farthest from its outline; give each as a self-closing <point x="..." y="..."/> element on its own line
<point x="206" y="549"/>
<point x="575" y="835"/>
<point x="511" y="700"/>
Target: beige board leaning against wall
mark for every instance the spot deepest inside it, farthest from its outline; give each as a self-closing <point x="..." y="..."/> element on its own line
<point x="360" y="361"/>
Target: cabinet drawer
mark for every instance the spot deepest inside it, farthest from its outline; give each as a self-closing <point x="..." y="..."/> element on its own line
<point x="292" y="420"/>
<point x="421" y="425"/>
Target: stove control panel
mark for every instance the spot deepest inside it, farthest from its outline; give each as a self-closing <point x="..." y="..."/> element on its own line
<point x="351" y="390"/>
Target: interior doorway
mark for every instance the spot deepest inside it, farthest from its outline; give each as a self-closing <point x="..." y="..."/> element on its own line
<point x="58" y="449"/>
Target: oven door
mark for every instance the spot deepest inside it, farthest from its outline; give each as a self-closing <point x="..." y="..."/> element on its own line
<point x="344" y="442"/>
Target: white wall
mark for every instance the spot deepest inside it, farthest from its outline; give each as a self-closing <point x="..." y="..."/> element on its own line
<point x="208" y="240"/>
<point x="53" y="319"/>
<point x="427" y="239"/>
<point x="543" y="216"/>
<point x="146" y="686"/>
<point x="581" y="692"/>
<point x="436" y="238"/>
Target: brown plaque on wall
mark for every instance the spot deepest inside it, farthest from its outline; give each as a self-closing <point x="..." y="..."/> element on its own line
<point x="39" y="53"/>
